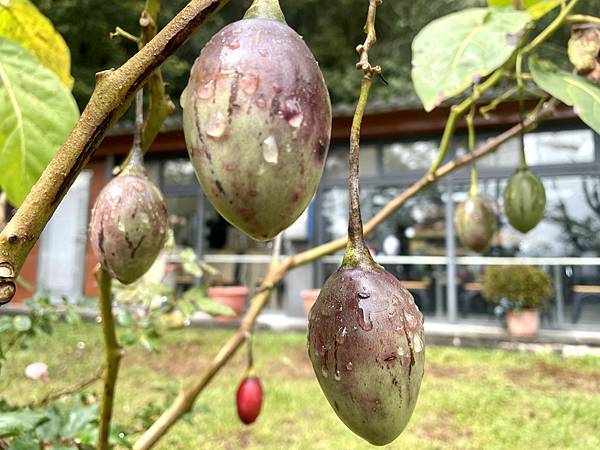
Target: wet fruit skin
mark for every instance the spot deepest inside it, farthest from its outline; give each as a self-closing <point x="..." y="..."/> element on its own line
<point x="128" y="226"/>
<point x="475" y="222"/>
<point x="524" y="200"/>
<point x="249" y="399"/>
<point x="257" y="122"/>
<point x="365" y="341"/>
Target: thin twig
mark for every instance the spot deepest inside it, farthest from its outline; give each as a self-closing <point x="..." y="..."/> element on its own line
<point x="582" y="18"/>
<point x="78" y="387"/>
<point x="112" y="356"/>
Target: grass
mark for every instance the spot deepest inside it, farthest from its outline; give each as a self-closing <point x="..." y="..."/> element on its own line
<point x="469" y="399"/>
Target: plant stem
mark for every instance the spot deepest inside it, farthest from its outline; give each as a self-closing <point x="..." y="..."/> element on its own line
<point x="112" y="356"/>
<point x="582" y="18"/>
<point x="265" y="9"/>
<point x="550" y="29"/>
<point x="474" y="189"/>
<point x="357" y="254"/>
<point x="160" y="105"/>
<point x="457" y="111"/>
<point x="114" y="90"/>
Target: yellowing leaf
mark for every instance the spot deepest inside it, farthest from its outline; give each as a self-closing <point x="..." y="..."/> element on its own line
<point x="37" y="112"/>
<point x="22" y="22"/>
<point x="536" y="8"/>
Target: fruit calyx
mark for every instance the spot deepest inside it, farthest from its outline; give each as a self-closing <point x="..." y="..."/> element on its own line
<point x="265" y="9"/>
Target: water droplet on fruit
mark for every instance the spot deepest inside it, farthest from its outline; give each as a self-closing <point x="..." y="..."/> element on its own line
<point x="340" y="337"/>
<point x="216" y="125"/>
<point x="233" y="45"/>
<point x="293" y="112"/>
<point x="263" y="53"/>
<point x="363" y="295"/>
<point x="364" y="319"/>
<point x="337" y="376"/>
<point x="417" y="343"/>
<point x="261" y="103"/>
<point x="324" y="372"/>
<point x="249" y="83"/>
<point x="411" y="320"/>
<point x="349" y="366"/>
<point x="207" y="90"/>
<point x="401" y="350"/>
<point x="270" y="150"/>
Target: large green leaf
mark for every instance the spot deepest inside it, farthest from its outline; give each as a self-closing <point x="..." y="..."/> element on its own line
<point x="455" y="51"/>
<point x="537" y="8"/>
<point x="22" y="22"/>
<point x="37" y="112"/>
<point x="569" y="88"/>
<point x="13" y="423"/>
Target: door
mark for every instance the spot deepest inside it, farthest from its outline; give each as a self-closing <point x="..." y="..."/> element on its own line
<point x="61" y="266"/>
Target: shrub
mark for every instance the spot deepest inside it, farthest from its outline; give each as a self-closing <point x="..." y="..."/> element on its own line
<point x="522" y="286"/>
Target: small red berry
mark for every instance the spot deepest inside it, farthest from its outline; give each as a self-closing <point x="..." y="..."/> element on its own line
<point x="249" y="399"/>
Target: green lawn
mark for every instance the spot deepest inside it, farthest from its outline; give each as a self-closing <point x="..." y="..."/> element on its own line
<point x="488" y="399"/>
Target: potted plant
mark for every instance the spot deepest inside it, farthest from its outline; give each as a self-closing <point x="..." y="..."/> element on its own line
<point x="520" y="291"/>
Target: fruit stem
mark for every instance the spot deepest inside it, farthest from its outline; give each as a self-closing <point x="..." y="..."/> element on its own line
<point x="357" y="254"/>
<point x="136" y="163"/>
<point x="249" y="356"/>
<point x="265" y="9"/>
<point x="474" y="189"/>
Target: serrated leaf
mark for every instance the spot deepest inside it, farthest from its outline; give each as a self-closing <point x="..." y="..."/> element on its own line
<point x="22" y="22"/>
<point x="535" y="8"/>
<point x="37" y="112"/>
<point x="570" y="89"/>
<point x="17" y="422"/>
<point x="455" y="51"/>
<point x="22" y="323"/>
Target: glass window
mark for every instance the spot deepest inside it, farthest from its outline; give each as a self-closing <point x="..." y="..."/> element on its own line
<point x="183" y="218"/>
<point x="557" y="147"/>
<point x="336" y="165"/>
<point x="419" y="226"/>
<point x="407" y="156"/>
<point x="179" y="172"/>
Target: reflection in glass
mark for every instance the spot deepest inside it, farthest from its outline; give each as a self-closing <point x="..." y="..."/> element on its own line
<point x="336" y="165"/>
<point x="178" y="172"/>
<point x="183" y="218"/>
<point x="407" y="156"/>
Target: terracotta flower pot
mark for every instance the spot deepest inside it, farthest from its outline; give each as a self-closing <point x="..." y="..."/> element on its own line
<point x="232" y="296"/>
<point x="309" y="297"/>
<point x="523" y="323"/>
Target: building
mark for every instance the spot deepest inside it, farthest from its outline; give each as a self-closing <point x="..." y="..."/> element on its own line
<point x="397" y="148"/>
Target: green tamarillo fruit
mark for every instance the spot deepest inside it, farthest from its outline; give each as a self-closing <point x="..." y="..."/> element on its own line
<point x="365" y="342"/>
<point x="128" y="227"/>
<point x="475" y="222"/>
<point x="257" y="123"/>
<point x="524" y="200"/>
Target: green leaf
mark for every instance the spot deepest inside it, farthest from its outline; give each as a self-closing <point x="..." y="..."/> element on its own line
<point x="5" y="324"/>
<point x="190" y="262"/>
<point x="25" y="441"/>
<point x="125" y="318"/>
<point x="457" y="50"/>
<point x="72" y="317"/>
<point x="570" y="89"/>
<point x="22" y="22"/>
<point x="536" y="8"/>
<point x="37" y="113"/>
<point x="214" y="308"/>
<point x="198" y="296"/>
<point x="22" y="323"/>
<point x="13" y="423"/>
